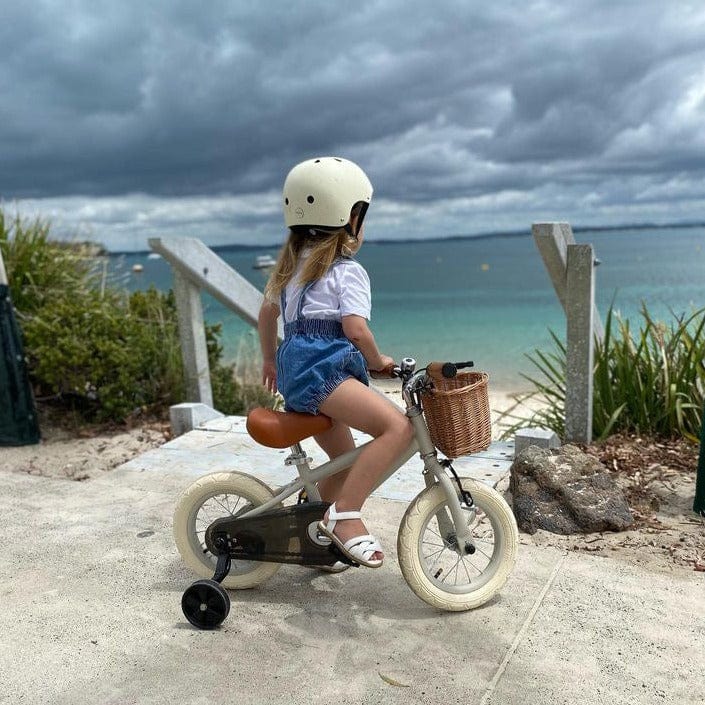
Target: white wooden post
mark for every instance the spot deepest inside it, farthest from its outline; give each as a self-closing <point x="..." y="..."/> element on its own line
<point x="571" y="268"/>
<point x="193" y="339"/>
<point x="552" y="240"/>
<point x="580" y="304"/>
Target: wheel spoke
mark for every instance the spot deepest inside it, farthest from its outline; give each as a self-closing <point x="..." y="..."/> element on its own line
<point x="431" y="543"/>
<point x="227" y="502"/>
<point x="435" y="532"/>
<point x="479" y="570"/>
<point x="204" y="509"/>
<point x="217" y="501"/>
<point x="435" y="563"/>
<point x="435" y="552"/>
<point x="465" y="568"/>
<point x="457" y="564"/>
<point x="450" y="571"/>
<point x="488" y="557"/>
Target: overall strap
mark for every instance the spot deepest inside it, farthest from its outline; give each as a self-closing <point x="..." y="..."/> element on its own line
<point x="330" y="328"/>
<point x="282" y="303"/>
<point x="300" y="305"/>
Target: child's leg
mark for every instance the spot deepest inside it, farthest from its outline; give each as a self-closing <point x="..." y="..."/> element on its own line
<point x="334" y="442"/>
<point x="356" y="405"/>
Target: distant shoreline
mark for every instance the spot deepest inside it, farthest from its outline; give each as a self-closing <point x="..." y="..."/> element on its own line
<point x="452" y="238"/>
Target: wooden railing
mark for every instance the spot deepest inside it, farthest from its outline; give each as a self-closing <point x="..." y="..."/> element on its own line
<point x="196" y="267"/>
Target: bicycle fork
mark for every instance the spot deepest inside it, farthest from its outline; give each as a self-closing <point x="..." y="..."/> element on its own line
<point x="435" y="472"/>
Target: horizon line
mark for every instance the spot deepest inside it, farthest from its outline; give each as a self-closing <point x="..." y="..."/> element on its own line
<point x="451" y="238"/>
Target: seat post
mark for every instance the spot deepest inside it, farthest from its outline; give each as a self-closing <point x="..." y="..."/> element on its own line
<point x="302" y="461"/>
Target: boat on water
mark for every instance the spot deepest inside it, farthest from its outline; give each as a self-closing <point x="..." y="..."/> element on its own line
<point x="264" y="262"/>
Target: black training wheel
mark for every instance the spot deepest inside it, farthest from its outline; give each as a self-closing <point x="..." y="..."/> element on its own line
<point x="205" y="604"/>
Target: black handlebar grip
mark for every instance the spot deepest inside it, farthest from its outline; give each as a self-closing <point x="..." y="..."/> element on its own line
<point x="450" y="369"/>
<point x="446" y="369"/>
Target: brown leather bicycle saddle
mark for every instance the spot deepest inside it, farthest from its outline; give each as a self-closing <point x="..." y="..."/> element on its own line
<point x="281" y="429"/>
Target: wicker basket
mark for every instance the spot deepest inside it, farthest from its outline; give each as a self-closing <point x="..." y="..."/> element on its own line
<point x="458" y="413"/>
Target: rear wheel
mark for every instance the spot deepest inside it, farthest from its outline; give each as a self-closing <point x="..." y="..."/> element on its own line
<point x="449" y="576"/>
<point x="213" y="497"/>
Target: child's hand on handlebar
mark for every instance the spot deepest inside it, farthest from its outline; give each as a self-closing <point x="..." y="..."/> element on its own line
<point x="385" y="370"/>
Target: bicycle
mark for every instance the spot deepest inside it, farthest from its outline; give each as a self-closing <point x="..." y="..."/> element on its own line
<point x="456" y="545"/>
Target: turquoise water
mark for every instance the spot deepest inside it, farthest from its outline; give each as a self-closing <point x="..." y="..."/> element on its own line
<point x="486" y="299"/>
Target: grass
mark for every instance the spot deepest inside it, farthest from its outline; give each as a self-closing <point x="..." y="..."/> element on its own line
<point x="650" y="380"/>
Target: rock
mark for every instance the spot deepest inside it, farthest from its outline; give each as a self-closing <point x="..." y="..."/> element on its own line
<point x="565" y="491"/>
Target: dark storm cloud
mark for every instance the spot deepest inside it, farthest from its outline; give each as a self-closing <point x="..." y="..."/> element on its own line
<point x="546" y="102"/>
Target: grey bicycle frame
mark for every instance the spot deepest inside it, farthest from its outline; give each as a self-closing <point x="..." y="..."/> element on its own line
<point x="433" y="472"/>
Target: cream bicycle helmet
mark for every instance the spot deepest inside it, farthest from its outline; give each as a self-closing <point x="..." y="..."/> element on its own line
<point x="320" y="193"/>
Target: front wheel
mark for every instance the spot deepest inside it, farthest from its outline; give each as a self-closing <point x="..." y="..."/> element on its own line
<point x="444" y="574"/>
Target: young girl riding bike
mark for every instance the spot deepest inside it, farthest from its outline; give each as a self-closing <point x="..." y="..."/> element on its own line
<point x="321" y="366"/>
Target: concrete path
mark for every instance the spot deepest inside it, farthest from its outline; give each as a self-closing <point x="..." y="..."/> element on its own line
<point x="91" y="585"/>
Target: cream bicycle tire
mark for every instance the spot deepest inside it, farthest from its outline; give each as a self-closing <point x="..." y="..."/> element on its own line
<point x="243" y="574"/>
<point x="414" y="563"/>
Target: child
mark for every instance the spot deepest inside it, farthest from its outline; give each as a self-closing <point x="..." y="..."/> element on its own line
<point x="320" y="367"/>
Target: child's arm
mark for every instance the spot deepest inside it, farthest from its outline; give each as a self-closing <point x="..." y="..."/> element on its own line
<point x="267" y="329"/>
<point x="360" y="335"/>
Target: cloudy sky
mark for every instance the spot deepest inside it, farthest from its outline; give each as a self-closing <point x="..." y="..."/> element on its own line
<point x="125" y="120"/>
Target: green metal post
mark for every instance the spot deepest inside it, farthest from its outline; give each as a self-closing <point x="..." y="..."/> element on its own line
<point x="699" y="503"/>
<point x="18" y="416"/>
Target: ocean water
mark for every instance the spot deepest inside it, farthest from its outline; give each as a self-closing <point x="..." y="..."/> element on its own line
<point x="487" y="299"/>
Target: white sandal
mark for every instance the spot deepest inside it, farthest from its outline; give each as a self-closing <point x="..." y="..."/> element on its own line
<point x="359" y="548"/>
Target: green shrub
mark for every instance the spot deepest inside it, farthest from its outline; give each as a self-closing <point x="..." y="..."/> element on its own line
<point x="41" y="269"/>
<point x="98" y="350"/>
<point x="103" y="355"/>
<point x="649" y="382"/>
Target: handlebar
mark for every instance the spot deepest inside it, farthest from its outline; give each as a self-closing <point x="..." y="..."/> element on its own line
<point x="433" y="369"/>
<point x="413" y="380"/>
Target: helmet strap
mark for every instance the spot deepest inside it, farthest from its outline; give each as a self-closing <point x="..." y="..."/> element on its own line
<point x="312" y="231"/>
<point x="361" y="208"/>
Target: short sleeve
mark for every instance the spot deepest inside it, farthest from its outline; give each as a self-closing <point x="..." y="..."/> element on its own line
<point x="354" y="294"/>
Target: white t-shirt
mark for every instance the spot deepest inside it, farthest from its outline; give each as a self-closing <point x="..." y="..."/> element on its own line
<point x="343" y="290"/>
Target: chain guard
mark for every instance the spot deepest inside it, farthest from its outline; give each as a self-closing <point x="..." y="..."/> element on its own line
<point x="278" y="536"/>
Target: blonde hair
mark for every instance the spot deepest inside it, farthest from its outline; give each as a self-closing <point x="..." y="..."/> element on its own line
<point x="322" y="250"/>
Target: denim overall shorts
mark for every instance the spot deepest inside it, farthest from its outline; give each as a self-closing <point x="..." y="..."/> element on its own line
<point x="314" y="358"/>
